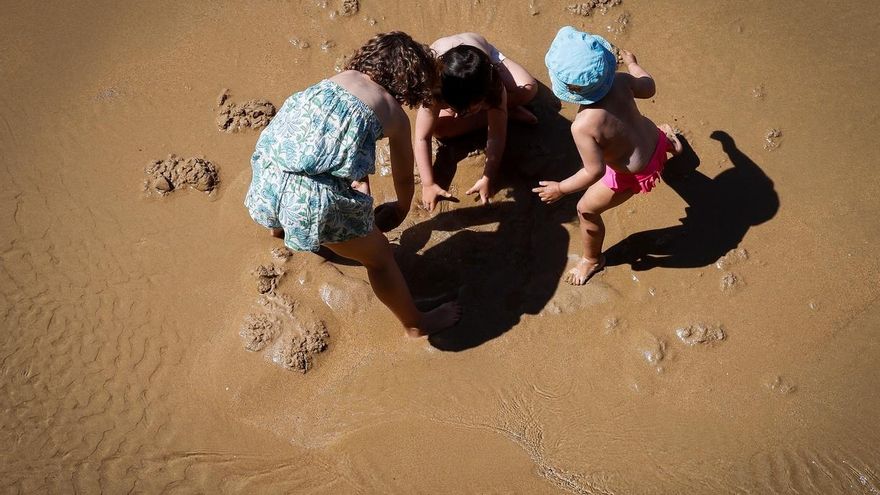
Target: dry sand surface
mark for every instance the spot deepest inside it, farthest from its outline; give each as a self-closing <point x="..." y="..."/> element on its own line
<point x="156" y="340"/>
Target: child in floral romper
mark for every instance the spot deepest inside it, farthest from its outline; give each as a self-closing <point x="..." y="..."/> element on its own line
<point x="311" y="163"/>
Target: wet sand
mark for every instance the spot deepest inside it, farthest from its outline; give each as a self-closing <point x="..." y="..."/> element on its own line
<point x="153" y="341"/>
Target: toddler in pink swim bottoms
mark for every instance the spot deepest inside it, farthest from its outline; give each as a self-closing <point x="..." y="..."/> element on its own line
<point x="623" y="151"/>
<point x="645" y="180"/>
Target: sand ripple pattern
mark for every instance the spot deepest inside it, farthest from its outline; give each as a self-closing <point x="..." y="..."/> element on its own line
<point x="78" y="372"/>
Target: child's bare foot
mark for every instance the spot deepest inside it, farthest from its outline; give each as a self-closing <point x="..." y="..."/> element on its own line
<point x="521" y="114"/>
<point x="439" y="318"/>
<point x="584" y="270"/>
<point x="670" y="134"/>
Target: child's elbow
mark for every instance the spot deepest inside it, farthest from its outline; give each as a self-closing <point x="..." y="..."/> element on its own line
<point x="646" y="88"/>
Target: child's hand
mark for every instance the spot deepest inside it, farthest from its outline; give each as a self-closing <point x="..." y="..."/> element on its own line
<point x="431" y="196"/>
<point x="549" y="191"/>
<point x="388" y="216"/>
<point x="484" y="188"/>
<point x="628" y="57"/>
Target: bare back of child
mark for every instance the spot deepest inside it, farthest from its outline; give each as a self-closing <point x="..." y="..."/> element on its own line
<point x="623" y="152"/>
<point x="480" y="89"/>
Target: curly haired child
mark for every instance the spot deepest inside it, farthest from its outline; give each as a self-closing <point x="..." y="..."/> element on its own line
<point x="311" y="164"/>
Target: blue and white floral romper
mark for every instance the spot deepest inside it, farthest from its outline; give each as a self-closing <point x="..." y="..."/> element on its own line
<point x="321" y="140"/>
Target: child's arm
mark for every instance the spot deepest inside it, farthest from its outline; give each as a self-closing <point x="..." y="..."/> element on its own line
<point x="497" y="139"/>
<point x="425" y="118"/>
<point x="401" y="160"/>
<point x="592" y="171"/>
<point x="641" y="83"/>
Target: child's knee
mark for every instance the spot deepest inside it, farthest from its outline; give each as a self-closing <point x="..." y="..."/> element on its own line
<point x="589" y="215"/>
<point x="588" y="211"/>
<point x="529" y="90"/>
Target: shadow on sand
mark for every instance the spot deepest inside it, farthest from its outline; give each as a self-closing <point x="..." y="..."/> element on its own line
<point x="505" y="260"/>
<point x="719" y="213"/>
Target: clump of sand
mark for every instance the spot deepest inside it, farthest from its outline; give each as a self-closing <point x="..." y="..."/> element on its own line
<point x="733" y="257"/>
<point x="257" y="331"/>
<point x="730" y="281"/>
<point x="164" y="176"/>
<point x="350" y="7"/>
<point x="267" y="278"/>
<point x="252" y="114"/>
<point x="294" y="331"/>
<point x="700" y="333"/>
<point x="771" y="139"/>
<point x="281" y="254"/>
<point x="587" y="8"/>
<point x="295" y="350"/>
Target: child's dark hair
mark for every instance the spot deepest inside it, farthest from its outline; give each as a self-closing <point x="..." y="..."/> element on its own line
<point x="468" y="77"/>
<point x="405" y="68"/>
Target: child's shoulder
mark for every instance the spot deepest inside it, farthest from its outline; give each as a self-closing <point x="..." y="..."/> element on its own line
<point x="589" y="121"/>
<point x="442" y="45"/>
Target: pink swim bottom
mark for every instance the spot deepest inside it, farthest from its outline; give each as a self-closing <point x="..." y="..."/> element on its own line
<point x="645" y="180"/>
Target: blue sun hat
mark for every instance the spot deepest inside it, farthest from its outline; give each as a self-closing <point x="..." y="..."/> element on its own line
<point x="581" y="66"/>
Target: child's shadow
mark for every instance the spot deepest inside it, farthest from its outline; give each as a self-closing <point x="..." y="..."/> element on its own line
<point x="719" y="213"/>
<point x="503" y="260"/>
<point x="495" y="260"/>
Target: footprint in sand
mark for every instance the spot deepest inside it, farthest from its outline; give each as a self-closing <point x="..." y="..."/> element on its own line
<point x="252" y="114"/>
<point x="771" y="139"/>
<point x="619" y="26"/>
<point x="299" y="43"/>
<point x="611" y="324"/>
<point x="340" y="292"/>
<point x="780" y="385"/>
<point x="289" y="334"/>
<point x="730" y="281"/>
<point x="650" y="348"/>
<point x="349" y="296"/>
<point x="701" y="334"/>
<point x="165" y="176"/>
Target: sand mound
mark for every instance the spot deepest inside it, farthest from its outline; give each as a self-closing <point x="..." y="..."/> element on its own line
<point x="257" y="331"/>
<point x="267" y="278"/>
<point x="164" y="176"/>
<point x="350" y="8"/>
<point x="252" y="114"/>
<point x="294" y="331"/>
<point x="700" y="334"/>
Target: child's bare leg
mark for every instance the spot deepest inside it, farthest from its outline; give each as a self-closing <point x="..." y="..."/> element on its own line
<point x="670" y="134"/>
<point x="390" y="287"/>
<point x="594" y="202"/>
<point x="521" y="88"/>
